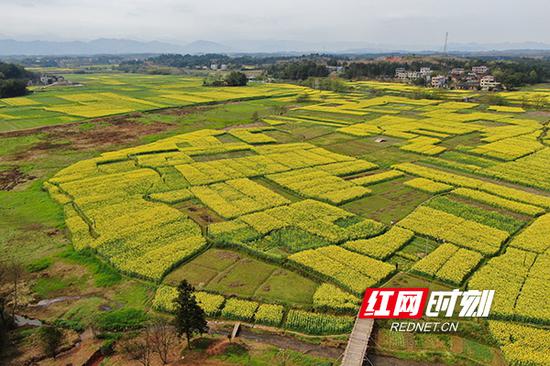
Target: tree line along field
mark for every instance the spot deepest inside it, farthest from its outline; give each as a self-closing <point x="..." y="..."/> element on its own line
<point x="339" y="193"/>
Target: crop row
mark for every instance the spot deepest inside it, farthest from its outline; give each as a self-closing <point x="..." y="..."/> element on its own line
<point x="444" y="226"/>
<point x="531" y="170"/>
<point x="428" y="185"/>
<point x="382" y="246"/>
<point x="252" y="136"/>
<point x="511" y="148"/>
<point x="536" y="237"/>
<point x="216" y="305"/>
<point x="350" y="270"/>
<point x="497" y="201"/>
<point x="378" y="178"/>
<point x="309" y="215"/>
<point x="316" y="183"/>
<point x="237" y="197"/>
<point x="268" y="163"/>
<point x="522" y="345"/>
<point x="473" y="212"/>
<point x="448" y="263"/>
<point x="473" y="183"/>
<point x="520" y="280"/>
<point x="424" y="145"/>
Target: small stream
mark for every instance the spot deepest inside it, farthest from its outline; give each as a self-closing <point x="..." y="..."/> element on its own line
<point x="48" y="302"/>
<point x="22" y="321"/>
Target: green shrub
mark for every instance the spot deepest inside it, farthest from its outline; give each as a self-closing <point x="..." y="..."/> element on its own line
<point x="39" y="265"/>
<point x="121" y="319"/>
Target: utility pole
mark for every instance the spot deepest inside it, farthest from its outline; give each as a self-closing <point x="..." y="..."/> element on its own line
<point x="445" y="46"/>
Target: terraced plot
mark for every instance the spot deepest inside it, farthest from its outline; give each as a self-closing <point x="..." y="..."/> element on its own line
<point x="341" y="193"/>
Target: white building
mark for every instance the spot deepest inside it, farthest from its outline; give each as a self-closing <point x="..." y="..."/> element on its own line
<point x="425" y="71"/>
<point x="213" y="67"/>
<point x="408" y="75"/>
<point x="399" y="72"/>
<point x="223" y="67"/>
<point x="480" y="69"/>
<point x="48" y="79"/>
<point x="457" y="71"/>
<point x="439" y="81"/>
<point x="488" y="82"/>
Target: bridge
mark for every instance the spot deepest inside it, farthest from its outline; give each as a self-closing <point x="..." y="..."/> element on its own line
<point x="358" y="342"/>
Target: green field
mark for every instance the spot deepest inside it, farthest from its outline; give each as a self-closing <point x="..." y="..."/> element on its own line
<point x="273" y="201"/>
<point x="232" y="273"/>
<point x="101" y="95"/>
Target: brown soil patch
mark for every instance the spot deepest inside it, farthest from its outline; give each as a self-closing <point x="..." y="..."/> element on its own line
<point x="206" y="217"/>
<point x="220" y="347"/>
<point x="457" y="345"/>
<point x="10" y="178"/>
<point x="104" y="132"/>
<point x="113" y="131"/>
<point x="107" y="132"/>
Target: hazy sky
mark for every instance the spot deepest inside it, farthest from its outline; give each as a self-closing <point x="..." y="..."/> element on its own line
<point x="403" y="22"/>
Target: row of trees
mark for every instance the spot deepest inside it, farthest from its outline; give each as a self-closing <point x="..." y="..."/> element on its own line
<point x="14" y="80"/>
<point x="298" y="70"/>
<point x="234" y="78"/>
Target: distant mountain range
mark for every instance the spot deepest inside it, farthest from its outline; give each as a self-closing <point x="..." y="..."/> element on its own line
<point x="9" y="47"/>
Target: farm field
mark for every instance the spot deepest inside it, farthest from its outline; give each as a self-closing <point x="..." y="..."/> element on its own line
<point x="282" y="211"/>
<point x="100" y="95"/>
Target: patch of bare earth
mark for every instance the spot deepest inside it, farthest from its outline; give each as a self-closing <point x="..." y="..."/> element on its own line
<point x="104" y="132"/>
<point x="10" y="178"/>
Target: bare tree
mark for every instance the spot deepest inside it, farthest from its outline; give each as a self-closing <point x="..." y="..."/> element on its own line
<point x="163" y="338"/>
<point x="11" y="274"/>
<point x="15" y="273"/>
<point x="139" y="349"/>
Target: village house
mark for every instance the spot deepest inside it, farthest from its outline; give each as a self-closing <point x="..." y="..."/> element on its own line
<point x="48" y="79"/>
<point x="480" y="70"/>
<point x="488" y="82"/>
<point x="457" y="71"/>
<point x="425" y="71"/>
<point x="439" y="81"/>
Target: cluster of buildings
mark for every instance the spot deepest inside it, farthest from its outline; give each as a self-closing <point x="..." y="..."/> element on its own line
<point x="48" y="79"/>
<point x="218" y="67"/>
<point x="405" y="75"/>
<point x="477" y="78"/>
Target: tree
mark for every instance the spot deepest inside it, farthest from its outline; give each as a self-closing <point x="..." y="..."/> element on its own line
<point x="162" y="338"/>
<point x="13" y="80"/>
<point x="51" y="338"/>
<point x="139" y="349"/>
<point x="5" y="319"/>
<point x="13" y="88"/>
<point x="190" y="318"/>
<point x="15" y="273"/>
<point x="236" y="78"/>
